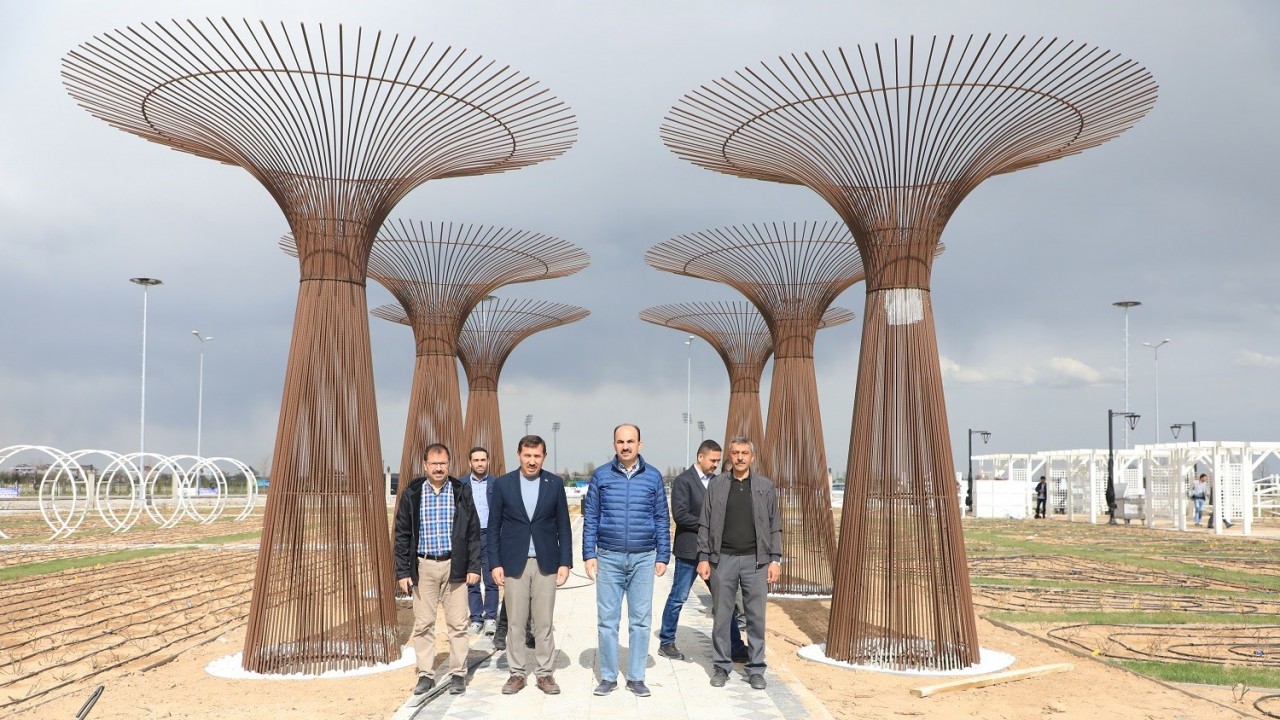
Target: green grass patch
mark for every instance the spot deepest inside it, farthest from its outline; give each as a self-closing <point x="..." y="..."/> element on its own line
<point x="220" y="539"/>
<point x="53" y="566"/>
<point x="1206" y="674"/>
<point x="1159" y="617"/>
<point x="978" y="581"/>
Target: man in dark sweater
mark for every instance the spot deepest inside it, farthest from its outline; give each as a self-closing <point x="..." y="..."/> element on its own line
<point x="739" y="546"/>
<point x="688" y="491"/>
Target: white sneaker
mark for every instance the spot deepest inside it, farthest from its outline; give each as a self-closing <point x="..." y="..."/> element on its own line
<point x="490" y="626"/>
<point x="474" y="628"/>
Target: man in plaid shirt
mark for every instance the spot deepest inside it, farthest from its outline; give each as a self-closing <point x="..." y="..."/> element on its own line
<point x="437" y="552"/>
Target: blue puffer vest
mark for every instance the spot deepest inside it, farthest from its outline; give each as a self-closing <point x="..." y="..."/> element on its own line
<point x="624" y="515"/>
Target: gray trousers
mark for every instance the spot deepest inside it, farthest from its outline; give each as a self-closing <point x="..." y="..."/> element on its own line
<point x="531" y="594"/>
<point x="731" y="574"/>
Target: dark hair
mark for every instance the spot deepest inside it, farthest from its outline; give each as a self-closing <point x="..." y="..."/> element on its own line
<point x="630" y="425"/>
<point x="708" y="446"/>
<point x="475" y="450"/>
<point x="433" y="448"/>
<point x="1203" y="475"/>
<point x="531" y="441"/>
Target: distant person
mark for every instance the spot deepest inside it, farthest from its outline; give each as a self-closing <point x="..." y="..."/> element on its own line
<point x="1042" y="497"/>
<point x="437" y="553"/>
<point x="739" y="547"/>
<point x="1199" y="491"/>
<point x="626" y="541"/>
<point x="688" y="491"/>
<point x="529" y="519"/>
<point x="482" y="596"/>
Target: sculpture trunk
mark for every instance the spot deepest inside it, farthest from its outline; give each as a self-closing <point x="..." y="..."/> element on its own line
<point x="323" y="595"/>
<point x="435" y="409"/>
<point x="795" y="458"/>
<point x="484" y="426"/>
<point x="744" y="418"/>
<point x="902" y="598"/>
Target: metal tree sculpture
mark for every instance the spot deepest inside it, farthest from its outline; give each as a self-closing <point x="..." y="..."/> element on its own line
<point x="894" y="137"/>
<point x="439" y="272"/>
<point x="791" y="272"/>
<point x="740" y="335"/>
<point x="338" y="126"/>
<point x="491" y="332"/>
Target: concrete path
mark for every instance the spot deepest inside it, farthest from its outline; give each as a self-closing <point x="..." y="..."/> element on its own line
<point x="680" y="689"/>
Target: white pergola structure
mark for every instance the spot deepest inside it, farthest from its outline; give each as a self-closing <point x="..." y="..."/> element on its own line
<point x="1152" y="482"/>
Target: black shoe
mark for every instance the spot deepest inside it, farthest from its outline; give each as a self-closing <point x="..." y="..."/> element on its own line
<point x="457" y="684"/>
<point x="669" y="650"/>
<point x="757" y="681"/>
<point x="719" y="677"/>
<point x="424" y="685"/>
<point x="741" y="656"/>
<point x="638" y="687"/>
<point x="529" y="642"/>
<point x="500" y="642"/>
<point x="605" y="687"/>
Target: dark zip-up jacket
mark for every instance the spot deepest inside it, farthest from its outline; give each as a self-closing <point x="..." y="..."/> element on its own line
<point x="464" y="540"/>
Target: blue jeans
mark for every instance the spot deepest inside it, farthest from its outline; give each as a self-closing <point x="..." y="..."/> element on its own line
<point x="618" y="574"/>
<point x="1199" y="508"/>
<point x="681" y="582"/>
<point x="488" y="608"/>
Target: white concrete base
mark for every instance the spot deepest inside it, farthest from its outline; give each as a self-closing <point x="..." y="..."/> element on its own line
<point x="797" y="596"/>
<point x="229" y="667"/>
<point x="989" y="661"/>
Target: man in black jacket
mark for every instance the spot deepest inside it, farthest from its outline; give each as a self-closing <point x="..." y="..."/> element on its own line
<point x="687" y="493"/>
<point x="437" y="551"/>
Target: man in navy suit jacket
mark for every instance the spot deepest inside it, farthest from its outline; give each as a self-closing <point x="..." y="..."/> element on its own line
<point x="530" y="551"/>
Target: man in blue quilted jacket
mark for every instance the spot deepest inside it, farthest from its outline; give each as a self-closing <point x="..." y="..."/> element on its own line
<point x="626" y="542"/>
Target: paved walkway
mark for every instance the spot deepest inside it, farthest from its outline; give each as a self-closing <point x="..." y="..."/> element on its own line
<point x="680" y="689"/>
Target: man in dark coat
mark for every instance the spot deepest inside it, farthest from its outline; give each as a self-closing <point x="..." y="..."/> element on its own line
<point x="437" y="554"/>
<point x="687" y="493"/>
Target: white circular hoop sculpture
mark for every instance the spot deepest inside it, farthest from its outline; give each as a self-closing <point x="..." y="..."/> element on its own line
<point x="194" y="491"/>
<point x="152" y="504"/>
<point x="251" y="486"/>
<point x="62" y="515"/>
<point x="120" y="480"/>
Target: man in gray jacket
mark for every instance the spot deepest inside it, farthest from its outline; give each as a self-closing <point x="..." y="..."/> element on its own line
<point x="739" y="546"/>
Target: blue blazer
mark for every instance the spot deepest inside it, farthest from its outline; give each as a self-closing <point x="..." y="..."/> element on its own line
<point x="512" y="527"/>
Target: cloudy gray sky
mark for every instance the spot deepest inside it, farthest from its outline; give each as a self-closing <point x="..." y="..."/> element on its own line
<point x="1180" y="213"/>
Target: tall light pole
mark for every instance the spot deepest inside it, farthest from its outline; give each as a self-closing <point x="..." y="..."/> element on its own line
<point x="555" y="447"/>
<point x="1156" y="349"/>
<point x="146" y="283"/>
<point x="1126" y="304"/>
<point x="1132" y="422"/>
<point x="985" y="437"/>
<point x="688" y="402"/>
<point x="200" y="390"/>
<point x="528" y="420"/>
<point x="702" y="431"/>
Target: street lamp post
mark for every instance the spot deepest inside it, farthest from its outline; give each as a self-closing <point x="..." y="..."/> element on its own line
<point x="528" y="420"/>
<point x="688" y="401"/>
<point x="200" y="391"/>
<point x="1156" y="349"/>
<point x="555" y="447"/>
<point x="1126" y="304"/>
<point x="1176" y="427"/>
<point x="702" y="431"/>
<point x="985" y="437"/>
<point x="1132" y="423"/>
<point x="146" y="283"/>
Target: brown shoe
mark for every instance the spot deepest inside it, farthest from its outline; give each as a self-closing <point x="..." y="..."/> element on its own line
<point x="547" y="684"/>
<point x="515" y="684"/>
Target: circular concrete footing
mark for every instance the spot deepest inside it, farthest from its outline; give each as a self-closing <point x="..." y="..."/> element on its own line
<point x="989" y="661"/>
<point x="797" y="596"/>
<point x="229" y="667"/>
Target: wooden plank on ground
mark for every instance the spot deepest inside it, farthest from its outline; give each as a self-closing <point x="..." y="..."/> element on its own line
<point x="992" y="679"/>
